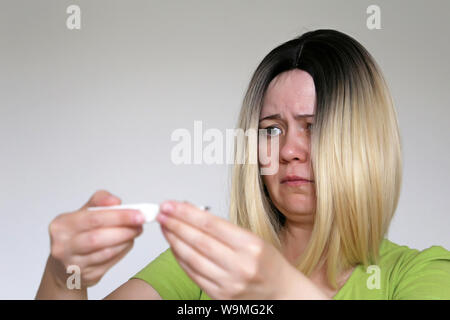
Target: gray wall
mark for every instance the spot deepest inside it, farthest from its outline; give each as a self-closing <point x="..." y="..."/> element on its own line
<point x="89" y="109"/>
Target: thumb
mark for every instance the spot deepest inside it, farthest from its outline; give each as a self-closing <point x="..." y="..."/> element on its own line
<point x="102" y="198"/>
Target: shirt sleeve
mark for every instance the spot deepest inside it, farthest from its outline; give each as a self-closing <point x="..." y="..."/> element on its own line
<point x="425" y="275"/>
<point x="166" y="276"/>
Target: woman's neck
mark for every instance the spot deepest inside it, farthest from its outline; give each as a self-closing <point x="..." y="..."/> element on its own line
<point x="294" y="239"/>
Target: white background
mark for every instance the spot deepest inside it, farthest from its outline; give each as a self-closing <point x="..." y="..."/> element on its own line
<point x="94" y="109"/>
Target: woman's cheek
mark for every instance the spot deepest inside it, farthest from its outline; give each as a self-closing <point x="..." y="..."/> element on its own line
<point x="268" y="162"/>
<point x="270" y="181"/>
<point x="264" y="158"/>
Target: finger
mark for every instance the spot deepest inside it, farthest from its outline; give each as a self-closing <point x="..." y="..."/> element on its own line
<point x="208" y="283"/>
<point x="94" y="240"/>
<point x="196" y="261"/>
<point x="88" y="220"/>
<point x="100" y="270"/>
<point x="116" y="259"/>
<point x="208" y="246"/>
<point x="219" y="228"/>
<point x="207" y="286"/>
<point x="103" y="256"/>
<point x="101" y="198"/>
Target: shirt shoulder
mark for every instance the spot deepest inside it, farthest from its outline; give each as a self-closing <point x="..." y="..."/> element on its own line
<point x="401" y="273"/>
<point x="167" y="277"/>
<point x="416" y="274"/>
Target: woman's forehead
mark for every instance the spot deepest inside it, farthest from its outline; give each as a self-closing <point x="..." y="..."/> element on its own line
<point x="291" y="91"/>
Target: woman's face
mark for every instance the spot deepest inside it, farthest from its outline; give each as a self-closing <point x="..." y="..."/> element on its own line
<point x="288" y="99"/>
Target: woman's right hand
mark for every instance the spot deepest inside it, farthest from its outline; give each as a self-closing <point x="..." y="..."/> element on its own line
<point x="92" y="240"/>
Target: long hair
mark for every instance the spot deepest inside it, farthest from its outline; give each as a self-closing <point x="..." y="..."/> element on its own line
<point x="356" y="153"/>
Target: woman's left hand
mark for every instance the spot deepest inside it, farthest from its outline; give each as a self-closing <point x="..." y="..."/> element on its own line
<point x="226" y="261"/>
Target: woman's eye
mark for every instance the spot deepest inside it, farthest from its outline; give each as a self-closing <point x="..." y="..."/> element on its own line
<point x="272" y="131"/>
<point x="310" y="125"/>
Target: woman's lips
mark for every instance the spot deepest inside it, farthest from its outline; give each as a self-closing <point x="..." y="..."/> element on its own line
<point x="294" y="183"/>
<point x="294" y="180"/>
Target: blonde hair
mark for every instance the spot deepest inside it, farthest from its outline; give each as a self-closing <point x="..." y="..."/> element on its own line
<point x="355" y="153"/>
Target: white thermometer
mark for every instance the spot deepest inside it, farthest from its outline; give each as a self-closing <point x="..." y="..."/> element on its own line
<point x="149" y="210"/>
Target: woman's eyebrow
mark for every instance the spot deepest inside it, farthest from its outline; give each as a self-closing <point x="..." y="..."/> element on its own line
<point x="278" y="116"/>
<point x="304" y="116"/>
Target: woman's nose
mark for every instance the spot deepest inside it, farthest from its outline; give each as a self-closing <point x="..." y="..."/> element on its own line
<point x="295" y="147"/>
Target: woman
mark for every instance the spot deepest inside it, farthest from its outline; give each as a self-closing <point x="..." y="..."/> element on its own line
<point x="313" y="229"/>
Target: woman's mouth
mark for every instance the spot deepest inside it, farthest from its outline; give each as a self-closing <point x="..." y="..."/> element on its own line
<point x="294" y="181"/>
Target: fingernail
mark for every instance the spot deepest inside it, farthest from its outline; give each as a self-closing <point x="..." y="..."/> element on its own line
<point x="167" y="207"/>
<point x="139" y="218"/>
<point x="161" y="217"/>
<point x="111" y="198"/>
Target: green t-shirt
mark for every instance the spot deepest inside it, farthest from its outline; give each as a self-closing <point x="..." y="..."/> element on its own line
<point x="402" y="273"/>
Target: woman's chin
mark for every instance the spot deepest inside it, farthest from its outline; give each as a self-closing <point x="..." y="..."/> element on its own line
<point x="295" y="208"/>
